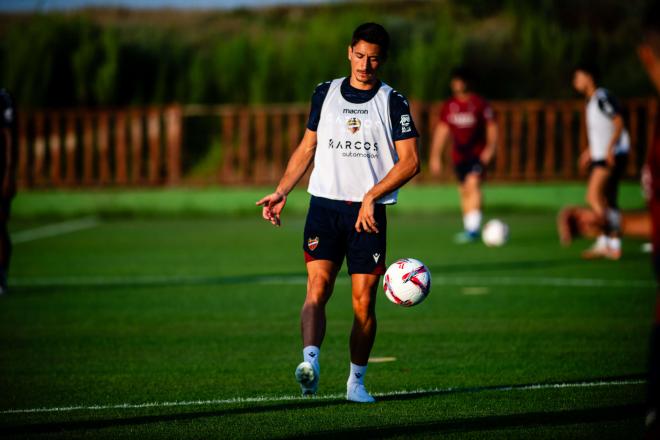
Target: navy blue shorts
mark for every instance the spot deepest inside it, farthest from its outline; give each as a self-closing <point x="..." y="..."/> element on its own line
<point x="611" y="190"/>
<point x="330" y="235"/>
<point x="462" y="169"/>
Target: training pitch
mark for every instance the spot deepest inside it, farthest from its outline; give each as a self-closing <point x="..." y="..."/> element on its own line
<point x="187" y="327"/>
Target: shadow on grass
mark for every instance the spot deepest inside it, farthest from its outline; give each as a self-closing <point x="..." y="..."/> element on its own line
<point x="550" y="418"/>
<point x="486" y="423"/>
<point x="298" y="278"/>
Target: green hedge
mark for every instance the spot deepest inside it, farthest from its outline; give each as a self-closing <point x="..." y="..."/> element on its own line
<point x="520" y="49"/>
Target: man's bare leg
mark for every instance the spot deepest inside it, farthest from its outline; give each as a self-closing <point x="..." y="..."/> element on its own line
<point x="363" y="334"/>
<point x="321" y="276"/>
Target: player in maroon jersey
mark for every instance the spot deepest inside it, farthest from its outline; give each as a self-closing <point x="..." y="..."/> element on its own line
<point x="649" y="54"/>
<point x="469" y="119"/>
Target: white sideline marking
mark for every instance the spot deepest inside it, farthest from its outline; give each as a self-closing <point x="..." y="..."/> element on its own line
<point x="54" y="230"/>
<point x="542" y="281"/>
<point x="380" y="360"/>
<point x="275" y="399"/>
<point x="91" y="281"/>
<point x="475" y="291"/>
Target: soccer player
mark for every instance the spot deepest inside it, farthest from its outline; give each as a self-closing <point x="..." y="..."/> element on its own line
<point x="606" y="158"/>
<point x="576" y="221"/>
<point x="8" y="147"/>
<point x="649" y="54"/>
<point x="469" y="119"/>
<point x="362" y="141"/>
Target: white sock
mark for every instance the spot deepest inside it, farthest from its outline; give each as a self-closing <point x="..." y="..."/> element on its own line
<point x="614" y="243"/>
<point x="357" y="374"/>
<point x="601" y="242"/>
<point x="472" y="221"/>
<point x="311" y="354"/>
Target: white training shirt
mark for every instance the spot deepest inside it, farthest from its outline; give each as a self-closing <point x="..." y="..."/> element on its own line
<point x="601" y="109"/>
<point x="355" y="149"/>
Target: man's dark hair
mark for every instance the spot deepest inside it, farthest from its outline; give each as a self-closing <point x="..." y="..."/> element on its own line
<point x="372" y="33"/>
<point x="462" y="73"/>
<point x="588" y="68"/>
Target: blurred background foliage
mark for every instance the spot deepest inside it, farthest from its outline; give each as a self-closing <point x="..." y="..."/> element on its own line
<point x="518" y="49"/>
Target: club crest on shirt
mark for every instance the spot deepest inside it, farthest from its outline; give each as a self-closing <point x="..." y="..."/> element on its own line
<point x="354" y="125"/>
<point x="405" y="123"/>
<point x="312" y="243"/>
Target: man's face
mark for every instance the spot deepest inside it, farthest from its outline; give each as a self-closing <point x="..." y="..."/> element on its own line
<point x="365" y="60"/>
<point x="581" y="81"/>
<point x="458" y="86"/>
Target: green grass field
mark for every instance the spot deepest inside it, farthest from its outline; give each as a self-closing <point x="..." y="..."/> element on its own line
<point x="187" y="327"/>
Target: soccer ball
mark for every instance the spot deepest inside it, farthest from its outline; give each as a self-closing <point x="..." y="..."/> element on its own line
<point x="495" y="233"/>
<point x="407" y="282"/>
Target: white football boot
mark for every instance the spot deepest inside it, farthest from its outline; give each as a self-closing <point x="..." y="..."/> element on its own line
<point x="307" y="375"/>
<point x="356" y="392"/>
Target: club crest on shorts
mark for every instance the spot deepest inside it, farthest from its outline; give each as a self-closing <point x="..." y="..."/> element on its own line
<point x="354" y="125"/>
<point x="312" y="243"/>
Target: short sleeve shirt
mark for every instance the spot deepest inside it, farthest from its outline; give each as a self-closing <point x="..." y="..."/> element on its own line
<point x="403" y="126"/>
<point x="467" y="121"/>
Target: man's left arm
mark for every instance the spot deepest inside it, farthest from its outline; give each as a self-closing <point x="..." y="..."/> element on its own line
<point x="611" y="107"/>
<point x="405" y="169"/>
<point x="618" y="129"/>
<point x="491" y="136"/>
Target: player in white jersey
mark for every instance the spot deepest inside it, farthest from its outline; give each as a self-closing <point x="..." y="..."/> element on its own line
<point x="607" y="157"/>
<point x="363" y="143"/>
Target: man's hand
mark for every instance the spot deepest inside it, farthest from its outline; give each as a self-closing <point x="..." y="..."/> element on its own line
<point x="647" y="183"/>
<point x="366" y="221"/>
<point x="486" y="156"/>
<point x="584" y="160"/>
<point x="273" y="204"/>
<point x="610" y="159"/>
<point x="435" y="165"/>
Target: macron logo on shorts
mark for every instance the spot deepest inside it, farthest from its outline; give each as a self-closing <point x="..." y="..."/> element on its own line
<point x="376" y="257"/>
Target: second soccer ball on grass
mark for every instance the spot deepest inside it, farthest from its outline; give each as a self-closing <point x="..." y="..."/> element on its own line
<point x="495" y="233"/>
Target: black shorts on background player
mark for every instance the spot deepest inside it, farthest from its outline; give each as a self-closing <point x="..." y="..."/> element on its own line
<point x="612" y="185"/>
<point x="462" y="169"/>
<point x="330" y="235"/>
<point x="611" y="190"/>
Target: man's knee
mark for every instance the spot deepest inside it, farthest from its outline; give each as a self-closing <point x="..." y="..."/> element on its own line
<point x="319" y="289"/>
<point x="364" y="305"/>
<point x="594" y="199"/>
<point x="471" y="185"/>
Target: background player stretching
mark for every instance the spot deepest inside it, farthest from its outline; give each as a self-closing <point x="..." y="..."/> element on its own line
<point x="362" y="140"/>
<point x="470" y="121"/>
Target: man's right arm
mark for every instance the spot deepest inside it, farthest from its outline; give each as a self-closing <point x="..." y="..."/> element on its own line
<point x="437" y="148"/>
<point x="300" y="160"/>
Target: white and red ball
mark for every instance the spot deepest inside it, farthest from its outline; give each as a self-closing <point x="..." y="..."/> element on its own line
<point x="495" y="233"/>
<point x="407" y="282"/>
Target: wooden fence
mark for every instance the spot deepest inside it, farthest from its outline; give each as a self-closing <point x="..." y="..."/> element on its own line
<point x="137" y="146"/>
<point x="538" y="140"/>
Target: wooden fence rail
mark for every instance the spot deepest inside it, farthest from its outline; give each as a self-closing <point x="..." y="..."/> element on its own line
<point x="538" y="140"/>
<point x="101" y="147"/>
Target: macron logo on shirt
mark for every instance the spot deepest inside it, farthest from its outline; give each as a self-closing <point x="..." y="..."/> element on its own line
<point x="356" y="111"/>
